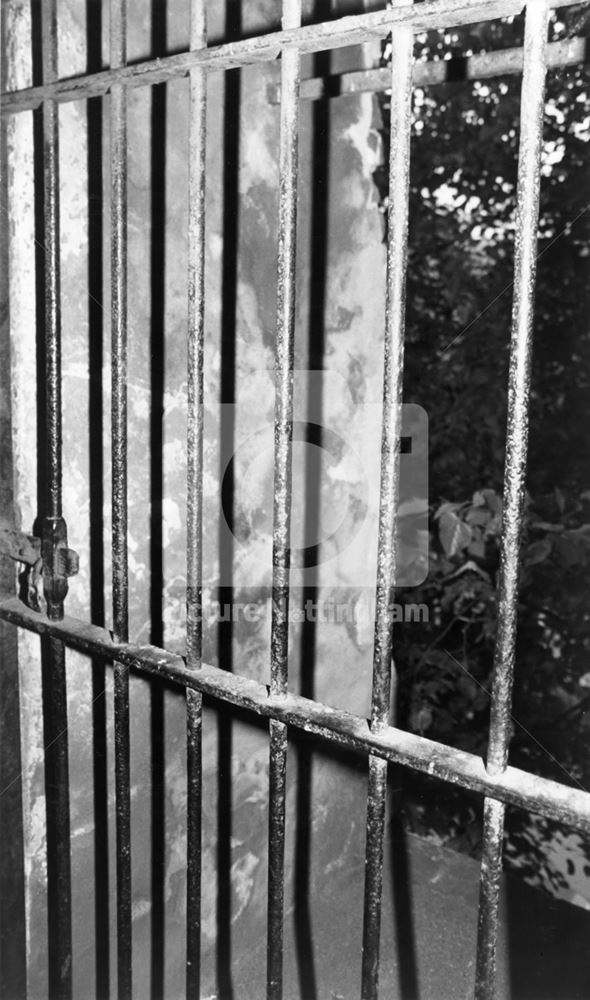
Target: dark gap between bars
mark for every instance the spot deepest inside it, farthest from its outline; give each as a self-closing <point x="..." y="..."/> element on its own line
<point x="157" y="254"/>
<point x="203" y="73"/>
<point x="118" y="122"/>
<point x="283" y="432"/>
<point x="95" y="170"/>
<point x="195" y="360"/>
<point x="55" y="718"/>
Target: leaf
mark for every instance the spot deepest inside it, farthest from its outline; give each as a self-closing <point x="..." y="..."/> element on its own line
<point x="477" y="516"/>
<point x="487" y="498"/>
<point x="537" y="552"/>
<point x="455" y="535"/>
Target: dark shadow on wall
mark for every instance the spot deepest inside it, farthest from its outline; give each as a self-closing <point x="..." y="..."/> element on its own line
<point x="229" y="286"/>
<point x="401" y="892"/>
<point x="157" y="377"/>
<point x="53" y="677"/>
<point x="96" y="492"/>
<point x="319" y="169"/>
<point x="547" y="944"/>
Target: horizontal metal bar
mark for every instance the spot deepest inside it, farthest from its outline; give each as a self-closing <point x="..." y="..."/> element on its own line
<point x="481" y="66"/>
<point x="513" y="786"/>
<point x="352" y="30"/>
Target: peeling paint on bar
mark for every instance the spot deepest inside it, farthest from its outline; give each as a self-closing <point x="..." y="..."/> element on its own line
<point x="527" y="214"/>
<point x="283" y="443"/>
<point x="118" y="124"/>
<point x="402" y="41"/>
<point x="351" y="30"/>
<point x="489" y="900"/>
<point x="194" y="515"/>
<point x="513" y="786"/>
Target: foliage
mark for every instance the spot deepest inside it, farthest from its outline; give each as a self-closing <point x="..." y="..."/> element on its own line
<point x="462" y="210"/>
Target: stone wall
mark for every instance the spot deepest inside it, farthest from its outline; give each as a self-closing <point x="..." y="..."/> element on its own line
<point x="339" y="338"/>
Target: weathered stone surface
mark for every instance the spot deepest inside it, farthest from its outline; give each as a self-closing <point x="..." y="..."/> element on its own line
<point x="330" y="659"/>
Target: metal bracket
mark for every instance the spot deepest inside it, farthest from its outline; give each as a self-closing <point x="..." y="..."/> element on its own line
<point x="59" y="563"/>
<point x="46" y="559"/>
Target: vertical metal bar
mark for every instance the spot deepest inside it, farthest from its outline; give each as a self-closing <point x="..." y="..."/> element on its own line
<point x="52" y="264"/>
<point x="53" y="651"/>
<point x="397" y="251"/>
<point x="527" y="213"/>
<point x="283" y="432"/>
<point x="194" y="612"/>
<point x="119" y="322"/>
<point x="57" y="793"/>
<point x="118" y="123"/>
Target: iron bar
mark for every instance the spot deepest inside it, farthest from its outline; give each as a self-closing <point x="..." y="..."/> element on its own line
<point x="397" y="252"/>
<point x="283" y="434"/>
<point x="52" y="264"/>
<point x="481" y="66"/>
<point x="512" y="786"/>
<point x="55" y="723"/>
<point x="194" y="610"/>
<point x="342" y="32"/>
<point x="57" y="792"/>
<point x="118" y="124"/>
<point x="123" y="829"/>
<point x="527" y="214"/>
<point x="119" y="326"/>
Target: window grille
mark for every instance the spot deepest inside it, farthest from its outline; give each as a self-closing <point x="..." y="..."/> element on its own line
<point x="498" y="783"/>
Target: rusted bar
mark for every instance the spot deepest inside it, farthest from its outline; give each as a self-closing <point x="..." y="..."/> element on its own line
<point x="570" y="806"/>
<point x="344" y="31"/>
<point x="118" y="123"/>
<point x="55" y="711"/>
<point x="194" y="611"/>
<point x="57" y="793"/>
<point x="489" y="898"/>
<point x="276" y="857"/>
<point x="397" y="251"/>
<point x="118" y="112"/>
<point x="52" y="263"/>
<point x="283" y="433"/>
<point x="527" y="214"/>
<point x="481" y="66"/>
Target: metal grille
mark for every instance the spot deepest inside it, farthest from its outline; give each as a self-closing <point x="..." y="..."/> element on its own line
<point x="498" y="783"/>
